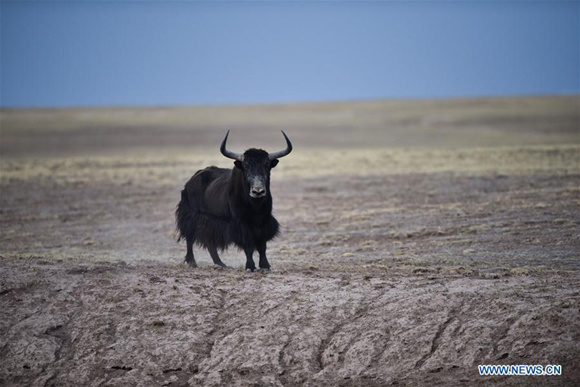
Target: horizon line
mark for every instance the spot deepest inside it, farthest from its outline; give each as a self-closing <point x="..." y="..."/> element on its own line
<point x="290" y="102"/>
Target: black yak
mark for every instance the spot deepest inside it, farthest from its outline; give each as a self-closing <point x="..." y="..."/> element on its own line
<point x="221" y="206"/>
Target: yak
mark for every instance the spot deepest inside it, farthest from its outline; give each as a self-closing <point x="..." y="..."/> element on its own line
<point x="220" y="206"/>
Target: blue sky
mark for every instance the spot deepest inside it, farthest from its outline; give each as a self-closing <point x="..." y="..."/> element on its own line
<point x="165" y="53"/>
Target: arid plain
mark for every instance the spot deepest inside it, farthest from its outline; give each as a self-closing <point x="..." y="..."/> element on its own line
<point x="420" y="239"/>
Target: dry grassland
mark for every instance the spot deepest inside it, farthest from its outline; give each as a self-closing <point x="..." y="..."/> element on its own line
<point x="420" y="239"/>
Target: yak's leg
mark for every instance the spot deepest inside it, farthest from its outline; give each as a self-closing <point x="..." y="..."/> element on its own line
<point x="250" y="265"/>
<point x="189" y="259"/>
<point x="216" y="258"/>
<point x="264" y="265"/>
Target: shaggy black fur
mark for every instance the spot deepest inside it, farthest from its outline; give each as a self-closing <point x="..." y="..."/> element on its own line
<point x="217" y="210"/>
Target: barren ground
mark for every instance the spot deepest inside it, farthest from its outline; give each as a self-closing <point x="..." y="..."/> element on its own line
<point x="420" y="239"/>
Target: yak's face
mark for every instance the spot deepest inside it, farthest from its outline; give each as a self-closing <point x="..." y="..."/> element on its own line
<point x="256" y="168"/>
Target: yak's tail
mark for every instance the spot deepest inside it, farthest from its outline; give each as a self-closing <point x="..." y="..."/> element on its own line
<point x="184" y="218"/>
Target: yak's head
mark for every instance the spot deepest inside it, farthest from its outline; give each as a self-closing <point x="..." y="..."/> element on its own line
<point x="256" y="165"/>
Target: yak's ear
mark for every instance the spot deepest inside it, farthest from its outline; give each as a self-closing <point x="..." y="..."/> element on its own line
<point x="238" y="164"/>
<point x="273" y="163"/>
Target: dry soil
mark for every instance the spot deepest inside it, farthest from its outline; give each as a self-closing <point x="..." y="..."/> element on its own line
<point x="420" y="239"/>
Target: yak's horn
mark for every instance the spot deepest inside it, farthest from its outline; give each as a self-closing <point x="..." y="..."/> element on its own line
<point x="230" y="154"/>
<point x="282" y="153"/>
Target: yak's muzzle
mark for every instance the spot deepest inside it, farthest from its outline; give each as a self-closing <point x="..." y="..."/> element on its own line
<point x="257" y="188"/>
<point x="257" y="192"/>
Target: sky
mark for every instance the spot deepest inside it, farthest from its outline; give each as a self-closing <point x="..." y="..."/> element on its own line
<point x="83" y="53"/>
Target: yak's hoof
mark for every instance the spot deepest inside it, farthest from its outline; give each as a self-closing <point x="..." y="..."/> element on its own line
<point x="249" y="270"/>
<point x="265" y="269"/>
<point x="222" y="265"/>
<point x="191" y="264"/>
